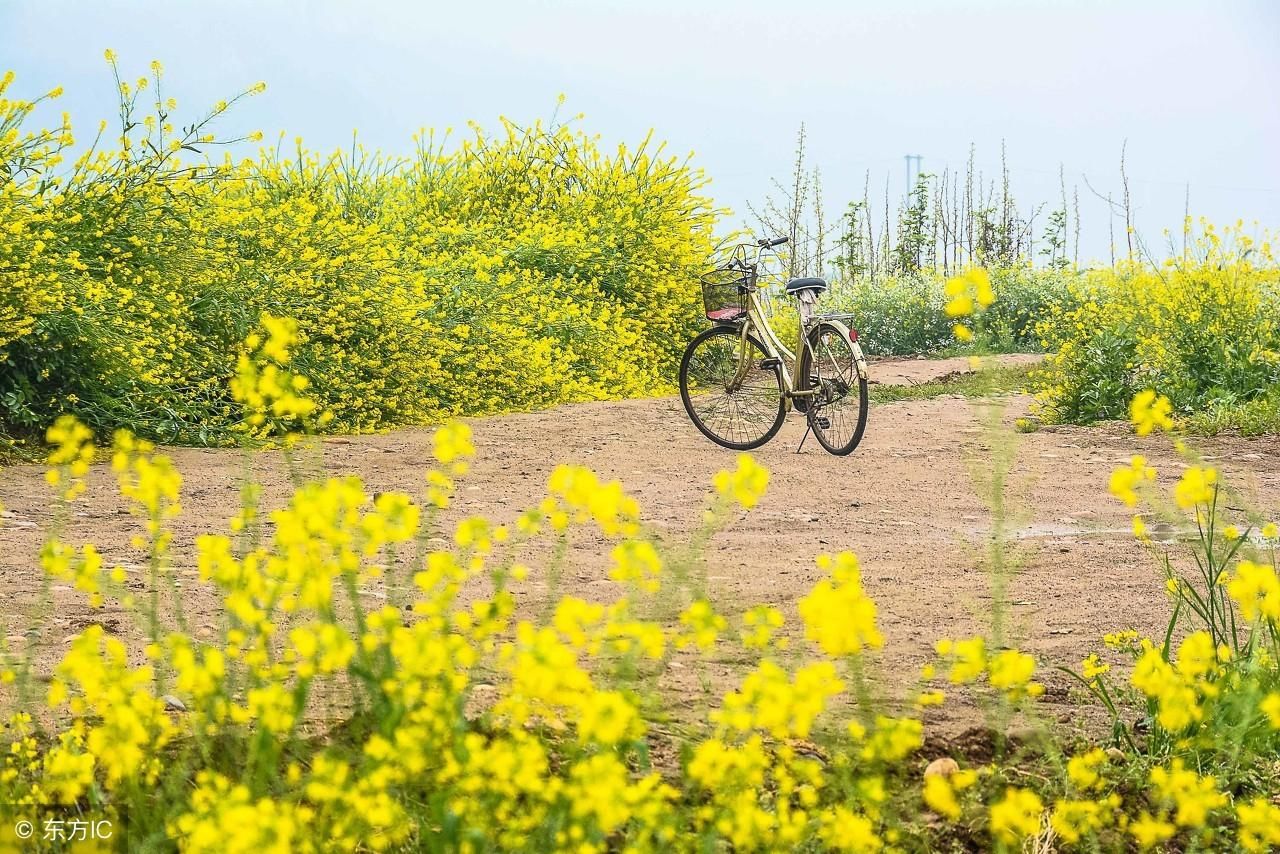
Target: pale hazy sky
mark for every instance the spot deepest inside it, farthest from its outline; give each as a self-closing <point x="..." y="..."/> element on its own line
<point x="1193" y="87"/>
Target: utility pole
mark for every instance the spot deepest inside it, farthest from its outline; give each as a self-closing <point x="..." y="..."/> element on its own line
<point x="910" y="177"/>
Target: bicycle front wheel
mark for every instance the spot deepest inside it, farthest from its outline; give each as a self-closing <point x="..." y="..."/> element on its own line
<point x="731" y="389"/>
<point x="837" y="411"/>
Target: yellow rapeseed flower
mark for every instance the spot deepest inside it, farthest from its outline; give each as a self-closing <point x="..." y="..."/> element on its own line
<point x="1011" y="672"/>
<point x="838" y="615"/>
<point x="1197" y="487"/>
<point x="1259" y="825"/>
<point x="846" y="831"/>
<point x="1191" y="796"/>
<point x="1270" y="707"/>
<point x="968" y="658"/>
<point x="1016" y="816"/>
<point x="1149" y="411"/>
<point x="1255" y="587"/>
<point x="746" y="484"/>
<point x="1073" y="820"/>
<point x="1149" y="831"/>
<point x="1084" y="769"/>
<point x="1125" y="480"/>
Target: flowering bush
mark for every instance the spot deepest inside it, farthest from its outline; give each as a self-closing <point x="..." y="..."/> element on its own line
<point x="508" y="271"/>
<point x="1204" y="329"/>
<point x="903" y="315"/>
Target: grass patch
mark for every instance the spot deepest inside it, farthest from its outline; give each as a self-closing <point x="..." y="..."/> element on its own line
<point x="996" y="379"/>
<point x="1259" y="417"/>
<point x="24" y="449"/>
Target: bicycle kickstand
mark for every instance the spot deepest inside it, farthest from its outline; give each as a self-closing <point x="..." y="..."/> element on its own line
<point x="807" y="430"/>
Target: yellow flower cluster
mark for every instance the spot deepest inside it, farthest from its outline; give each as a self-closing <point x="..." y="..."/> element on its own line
<point x="940" y="792"/>
<point x="1189" y="795"/>
<point x="1077" y="820"/>
<point x="1126" y="480"/>
<point x="1201" y="327"/>
<point x="839" y="617"/>
<point x="637" y="561"/>
<point x="124" y="726"/>
<point x="770" y="702"/>
<point x="1256" y="589"/>
<point x="149" y="480"/>
<point x="468" y="725"/>
<point x="272" y="397"/>
<point x="967" y="295"/>
<point x="1213" y="697"/>
<point x="1149" y="412"/>
<point x="1196" y="488"/>
<point x="1178" y="688"/>
<point x="1008" y="671"/>
<point x="1016" y="816"/>
<point x="72" y="453"/>
<point x="745" y="484"/>
<point x="759" y="626"/>
<point x="577" y="495"/>
<point x="496" y="272"/>
<point x="701" y="625"/>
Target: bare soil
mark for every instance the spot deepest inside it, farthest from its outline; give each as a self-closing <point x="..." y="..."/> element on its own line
<point x="908" y="502"/>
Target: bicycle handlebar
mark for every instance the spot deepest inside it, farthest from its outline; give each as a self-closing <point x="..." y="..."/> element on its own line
<point x="740" y="258"/>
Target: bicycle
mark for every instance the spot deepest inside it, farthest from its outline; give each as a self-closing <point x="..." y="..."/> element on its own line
<point x="734" y="377"/>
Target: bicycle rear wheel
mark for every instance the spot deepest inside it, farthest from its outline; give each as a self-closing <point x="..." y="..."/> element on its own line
<point x="838" y="409"/>
<point x="731" y="389"/>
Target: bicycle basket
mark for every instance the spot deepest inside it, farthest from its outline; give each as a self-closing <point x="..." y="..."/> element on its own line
<point x="724" y="294"/>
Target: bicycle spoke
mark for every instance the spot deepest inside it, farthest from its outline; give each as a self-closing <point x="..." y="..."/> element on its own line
<point x="737" y="403"/>
<point x="838" y="399"/>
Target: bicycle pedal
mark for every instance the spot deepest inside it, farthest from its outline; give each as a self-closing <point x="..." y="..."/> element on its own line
<point x="770" y="363"/>
<point x="824" y="423"/>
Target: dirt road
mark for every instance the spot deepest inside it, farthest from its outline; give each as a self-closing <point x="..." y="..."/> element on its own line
<point x="906" y="502"/>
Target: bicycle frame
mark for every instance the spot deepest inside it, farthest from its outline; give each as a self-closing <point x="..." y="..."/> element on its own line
<point x="757" y="320"/>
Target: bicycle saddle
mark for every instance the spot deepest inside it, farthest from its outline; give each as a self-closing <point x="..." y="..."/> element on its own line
<point x="795" y="286"/>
